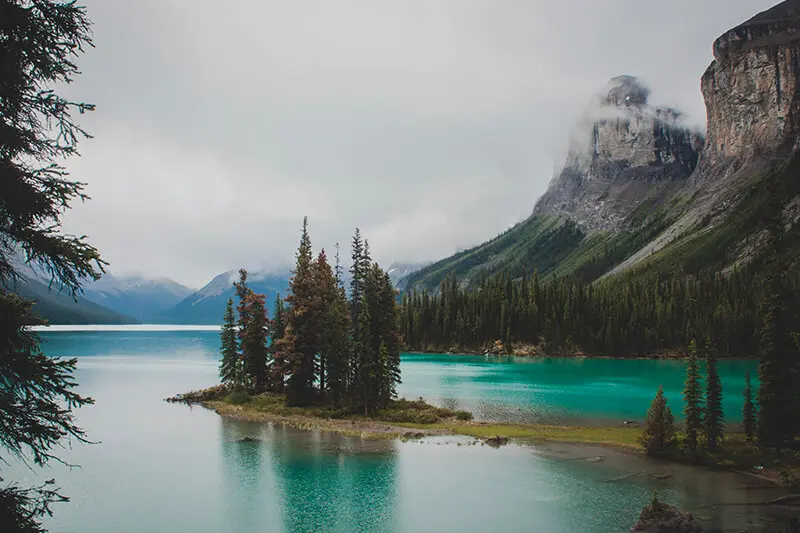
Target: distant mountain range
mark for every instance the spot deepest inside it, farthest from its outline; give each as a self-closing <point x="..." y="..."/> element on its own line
<point x="139" y="298"/>
<point x="134" y="299"/>
<point x="207" y="305"/>
<point x="58" y="307"/>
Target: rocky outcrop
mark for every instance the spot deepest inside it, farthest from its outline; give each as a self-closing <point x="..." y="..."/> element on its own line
<point x="659" y="517"/>
<point x="624" y="153"/>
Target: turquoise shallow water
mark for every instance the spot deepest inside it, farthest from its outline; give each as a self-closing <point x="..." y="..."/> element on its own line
<point x="527" y="389"/>
<point x="160" y="467"/>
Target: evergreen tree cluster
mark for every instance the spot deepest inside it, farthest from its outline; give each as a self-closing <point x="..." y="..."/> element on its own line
<point x="702" y="410"/>
<point x="324" y="348"/>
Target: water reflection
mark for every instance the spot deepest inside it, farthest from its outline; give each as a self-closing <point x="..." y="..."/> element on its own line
<point x="332" y="483"/>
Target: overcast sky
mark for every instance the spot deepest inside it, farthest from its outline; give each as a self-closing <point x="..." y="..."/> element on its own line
<point x="433" y="125"/>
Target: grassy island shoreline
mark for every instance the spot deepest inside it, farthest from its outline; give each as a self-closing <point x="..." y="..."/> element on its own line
<point x="402" y="419"/>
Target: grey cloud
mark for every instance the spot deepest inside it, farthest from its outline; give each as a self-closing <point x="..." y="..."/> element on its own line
<point x="431" y="125"/>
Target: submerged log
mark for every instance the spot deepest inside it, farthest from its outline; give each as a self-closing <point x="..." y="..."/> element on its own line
<point x="621" y="478"/>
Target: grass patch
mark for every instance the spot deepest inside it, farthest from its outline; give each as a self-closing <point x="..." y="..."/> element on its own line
<point x="238" y="397"/>
<point x="624" y="437"/>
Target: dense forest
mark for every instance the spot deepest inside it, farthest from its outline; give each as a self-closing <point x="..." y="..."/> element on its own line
<point x="320" y="347"/>
<point x="644" y="311"/>
<point x="627" y="315"/>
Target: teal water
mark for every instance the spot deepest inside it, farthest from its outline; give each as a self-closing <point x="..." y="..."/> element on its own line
<point x="160" y="467"/>
<point x="533" y="389"/>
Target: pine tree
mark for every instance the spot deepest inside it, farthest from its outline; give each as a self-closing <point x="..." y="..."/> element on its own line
<point x="692" y="397"/>
<point x="659" y="426"/>
<point x="229" y="371"/>
<point x="749" y="414"/>
<point x="301" y="320"/>
<point x="714" y="416"/>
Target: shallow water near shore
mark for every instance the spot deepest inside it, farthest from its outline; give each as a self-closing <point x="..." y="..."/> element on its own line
<point x="165" y="467"/>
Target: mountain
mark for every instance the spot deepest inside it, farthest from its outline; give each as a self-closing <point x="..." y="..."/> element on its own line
<point x="625" y="153"/>
<point x="141" y="298"/>
<point x="641" y="191"/>
<point x="58" y="307"/>
<point x="398" y="272"/>
<point x="207" y="305"/>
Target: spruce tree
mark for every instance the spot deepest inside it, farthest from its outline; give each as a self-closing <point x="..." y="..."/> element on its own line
<point x="714" y="416"/>
<point x="39" y="46"/>
<point x="692" y="398"/>
<point x="659" y="426"/>
<point x="254" y="343"/>
<point x="324" y="285"/>
<point x="301" y="320"/>
<point x="336" y="343"/>
<point x="776" y="371"/>
<point x="749" y="414"/>
<point x="243" y="293"/>
<point x="229" y="371"/>
<point x="277" y="333"/>
<point x="390" y="339"/>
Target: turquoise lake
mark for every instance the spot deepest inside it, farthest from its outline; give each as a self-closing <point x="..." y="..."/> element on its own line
<point x="160" y="467"/>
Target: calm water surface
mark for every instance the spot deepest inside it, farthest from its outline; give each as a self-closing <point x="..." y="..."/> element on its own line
<point x="160" y="467"/>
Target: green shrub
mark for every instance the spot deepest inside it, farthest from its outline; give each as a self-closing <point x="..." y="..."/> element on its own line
<point x="463" y="415"/>
<point x="409" y="416"/>
<point x="238" y="397"/>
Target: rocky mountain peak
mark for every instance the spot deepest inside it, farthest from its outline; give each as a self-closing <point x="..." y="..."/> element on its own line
<point x="624" y="152"/>
<point x="626" y="91"/>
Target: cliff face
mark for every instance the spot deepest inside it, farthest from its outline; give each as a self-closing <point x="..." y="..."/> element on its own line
<point x="624" y="153"/>
<point x="751" y="87"/>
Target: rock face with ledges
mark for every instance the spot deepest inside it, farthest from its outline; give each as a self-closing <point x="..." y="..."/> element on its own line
<point x="751" y="87"/>
<point x="625" y="152"/>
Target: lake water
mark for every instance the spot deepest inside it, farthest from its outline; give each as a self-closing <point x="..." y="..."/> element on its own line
<point x="160" y="467"/>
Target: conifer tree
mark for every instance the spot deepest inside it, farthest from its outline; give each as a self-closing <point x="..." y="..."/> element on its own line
<point x="254" y="343"/>
<point x="778" y="365"/>
<point x="336" y="343"/>
<point x="324" y="285"/>
<point x="714" y="416"/>
<point x="229" y="371"/>
<point x="692" y="398"/>
<point x="749" y="415"/>
<point x="39" y="46"/>
<point x="301" y="319"/>
<point x="277" y="334"/>
<point x="390" y="339"/>
<point x="659" y="426"/>
<point x="243" y="293"/>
